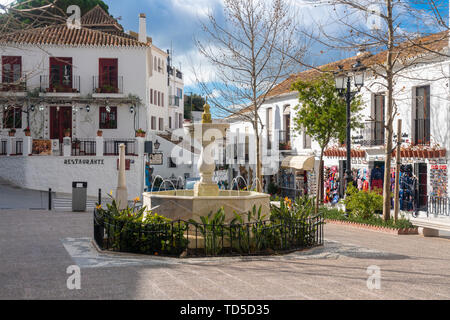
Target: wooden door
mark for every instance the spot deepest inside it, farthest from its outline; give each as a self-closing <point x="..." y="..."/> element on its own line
<point x="60" y="74"/>
<point x="108" y="73"/>
<point x="60" y="120"/>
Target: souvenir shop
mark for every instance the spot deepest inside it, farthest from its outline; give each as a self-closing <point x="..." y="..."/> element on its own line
<point x="297" y="176"/>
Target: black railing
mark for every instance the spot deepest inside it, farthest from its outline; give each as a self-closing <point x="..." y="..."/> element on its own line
<point x="284" y="140"/>
<point x="73" y="85"/>
<point x="111" y="147"/>
<point x="421" y="132"/>
<point x="197" y="239"/>
<point x="114" y="86"/>
<point x="179" y="74"/>
<point x="15" y="86"/>
<point x="372" y="134"/>
<point x="84" y="147"/>
<point x="438" y="206"/>
<point x="3" y="144"/>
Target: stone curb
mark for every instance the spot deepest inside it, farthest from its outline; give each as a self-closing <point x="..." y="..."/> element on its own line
<point x="404" y="231"/>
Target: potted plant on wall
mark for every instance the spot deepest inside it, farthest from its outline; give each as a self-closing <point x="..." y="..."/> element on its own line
<point x="27" y="131"/>
<point x="12" y="132"/>
<point x="140" y="133"/>
<point x="99" y="133"/>
<point x="67" y="132"/>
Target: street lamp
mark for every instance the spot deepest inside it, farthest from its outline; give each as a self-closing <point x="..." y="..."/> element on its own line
<point x="343" y="85"/>
<point x="156" y="144"/>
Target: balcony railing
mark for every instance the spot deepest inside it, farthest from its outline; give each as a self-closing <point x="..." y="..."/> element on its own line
<point x="421" y="132"/>
<point x="46" y="85"/>
<point x="103" y="87"/>
<point x="174" y="101"/>
<point x="179" y="74"/>
<point x="371" y="134"/>
<point x="14" y="86"/>
<point x="83" y="147"/>
<point x="284" y="140"/>
<point x="111" y="147"/>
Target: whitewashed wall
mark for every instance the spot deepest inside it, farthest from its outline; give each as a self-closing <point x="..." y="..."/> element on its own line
<point x="43" y="172"/>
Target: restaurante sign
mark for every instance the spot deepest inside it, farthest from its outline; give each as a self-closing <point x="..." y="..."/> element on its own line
<point x="84" y="161"/>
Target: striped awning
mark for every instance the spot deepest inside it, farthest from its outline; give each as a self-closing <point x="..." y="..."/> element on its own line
<point x="299" y="162"/>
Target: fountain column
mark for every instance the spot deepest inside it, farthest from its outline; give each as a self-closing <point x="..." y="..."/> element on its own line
<point x="122" y="192"/>
<point x="206" y="187"/>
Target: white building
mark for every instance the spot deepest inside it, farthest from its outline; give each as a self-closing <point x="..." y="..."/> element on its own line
<point x="82" y="92"/>
<point x="422" y="97"/>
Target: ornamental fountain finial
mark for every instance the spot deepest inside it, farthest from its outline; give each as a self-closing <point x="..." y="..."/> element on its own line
<point x="206" y="115"/>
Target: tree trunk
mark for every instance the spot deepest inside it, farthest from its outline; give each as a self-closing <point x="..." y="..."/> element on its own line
<point x="319" y="182"/>
<point x="390" y="116"/>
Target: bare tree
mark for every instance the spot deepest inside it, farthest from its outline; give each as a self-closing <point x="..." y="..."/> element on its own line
<point x="401" y="34"/>
<point x="250" y="48"/>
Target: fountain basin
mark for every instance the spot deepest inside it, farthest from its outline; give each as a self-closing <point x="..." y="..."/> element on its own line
<point x="183" y="205"/>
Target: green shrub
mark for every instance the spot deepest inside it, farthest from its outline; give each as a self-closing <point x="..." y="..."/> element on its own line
<point x="362" y="204"/>
<point x="272" y="188"/>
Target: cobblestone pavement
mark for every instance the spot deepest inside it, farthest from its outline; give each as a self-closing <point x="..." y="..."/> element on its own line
<point x="36" y="247"/>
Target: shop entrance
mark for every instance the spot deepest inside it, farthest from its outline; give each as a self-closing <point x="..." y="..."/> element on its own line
<point x="420" y="170"/>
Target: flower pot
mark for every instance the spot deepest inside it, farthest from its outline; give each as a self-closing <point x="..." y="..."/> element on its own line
<point x="436" y="154"/>
<point x="442" y="153"/>
<point x="99" y="133"/>
<point x="422" y="154"/>
<point x="11" y="134"/>
<point x="27" y="133"/>
<point x="67" y="134"/>
<point x="430" y="154"/>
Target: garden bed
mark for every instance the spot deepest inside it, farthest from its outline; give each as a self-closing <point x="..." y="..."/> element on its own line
<point x="397" y="231"/>
<point x="290" y="228"/>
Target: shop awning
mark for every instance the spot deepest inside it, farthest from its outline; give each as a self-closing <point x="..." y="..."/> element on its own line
<point x="299" y="162"/>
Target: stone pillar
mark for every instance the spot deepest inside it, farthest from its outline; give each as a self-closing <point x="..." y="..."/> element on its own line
<point x="99" y="145"/>
<point x="140" y="145"/>
<point x="122" y="192"/>
<point x="67" y="146"/>
<point x="27" y="146"/>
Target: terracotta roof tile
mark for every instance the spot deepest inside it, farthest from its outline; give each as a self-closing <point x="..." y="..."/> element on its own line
<point x="61" y="35"/>
<point x="408" y="49"/>
<point x="98" y="17"/>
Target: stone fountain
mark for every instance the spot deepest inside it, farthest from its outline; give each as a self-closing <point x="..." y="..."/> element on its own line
<point x="206" y="196"/>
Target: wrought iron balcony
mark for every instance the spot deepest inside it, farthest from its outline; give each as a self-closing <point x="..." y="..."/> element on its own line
<point x="65" y="86"/>
<point x="8" y="84"/>
<point x="371" y="134"/>
<point x="107" y="86"/>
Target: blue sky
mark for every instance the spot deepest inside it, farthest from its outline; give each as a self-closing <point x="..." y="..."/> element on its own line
<point x="173" y="23"/>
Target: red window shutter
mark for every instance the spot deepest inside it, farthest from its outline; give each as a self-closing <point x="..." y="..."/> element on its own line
<point x="108" y="72"/>
<point x="9" y="65"/>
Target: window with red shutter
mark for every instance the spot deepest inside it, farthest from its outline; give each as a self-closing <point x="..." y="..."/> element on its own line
<point x="11" y="69"/>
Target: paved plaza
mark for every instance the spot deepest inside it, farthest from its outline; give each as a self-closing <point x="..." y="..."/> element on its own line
<point x="37" y="247"/>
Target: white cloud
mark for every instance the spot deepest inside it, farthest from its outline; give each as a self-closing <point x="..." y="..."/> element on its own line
<point x="195" y="7"/>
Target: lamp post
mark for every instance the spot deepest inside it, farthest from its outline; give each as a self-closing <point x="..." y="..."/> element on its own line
<point x="343" y="82"/>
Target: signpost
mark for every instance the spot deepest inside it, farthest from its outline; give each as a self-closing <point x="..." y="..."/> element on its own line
<point x="156" y="159"/>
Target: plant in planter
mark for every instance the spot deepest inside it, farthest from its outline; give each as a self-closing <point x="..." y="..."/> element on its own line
<point x="27" y="131"/>
<point x="67" y="132"/>
<point x="12" y="132"/>
<point x="140" y="133"/>
<point x="99" y="133"/>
